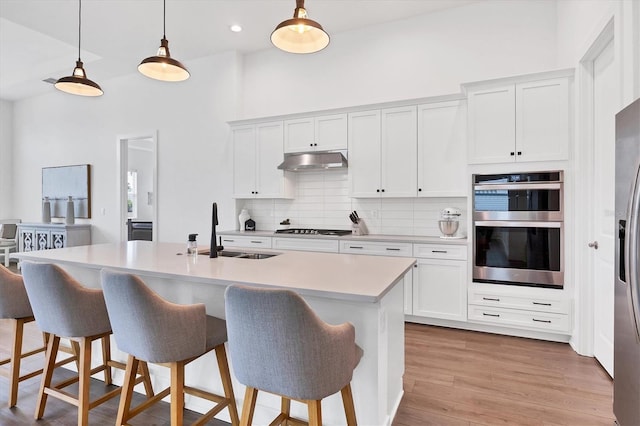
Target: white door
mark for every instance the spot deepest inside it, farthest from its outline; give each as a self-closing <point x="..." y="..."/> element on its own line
<point x="399" y="152"/>
<point x="605" y="90"/>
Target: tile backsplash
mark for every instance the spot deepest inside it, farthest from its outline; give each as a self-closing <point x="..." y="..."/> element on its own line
<point x="322" y="201"/>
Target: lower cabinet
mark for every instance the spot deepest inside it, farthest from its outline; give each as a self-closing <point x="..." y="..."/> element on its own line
<point x="306" y="244"/>
<point x="44" y="236"/>
<point x="439" y="282"/>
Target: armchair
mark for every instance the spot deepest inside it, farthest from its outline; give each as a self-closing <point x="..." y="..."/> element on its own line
<point x="8" y="238"/>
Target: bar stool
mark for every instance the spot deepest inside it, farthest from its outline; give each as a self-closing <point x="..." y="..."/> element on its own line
<point x="64" y="308"/>
<point x="152" y="329"/>
<point x="279" y="345"/>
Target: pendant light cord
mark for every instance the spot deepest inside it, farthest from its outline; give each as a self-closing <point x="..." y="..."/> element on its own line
<point x="164" y="19"/>
<point x="79" y="25"/>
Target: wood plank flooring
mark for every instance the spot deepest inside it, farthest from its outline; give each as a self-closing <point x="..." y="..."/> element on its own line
<point x="452" y="377"/>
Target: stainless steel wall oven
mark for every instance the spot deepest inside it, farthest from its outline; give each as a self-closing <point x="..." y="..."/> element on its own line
<point x="518" y="229"/>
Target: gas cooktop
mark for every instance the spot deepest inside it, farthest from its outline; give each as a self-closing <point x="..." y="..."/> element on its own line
<point x="312" y="231"/>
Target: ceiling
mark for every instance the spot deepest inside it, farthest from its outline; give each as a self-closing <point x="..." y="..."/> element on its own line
<point x="39" y="38"/>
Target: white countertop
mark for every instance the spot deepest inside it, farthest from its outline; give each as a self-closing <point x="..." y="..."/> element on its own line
<point x="336" y="276"/>
<point x="379" y="237"/>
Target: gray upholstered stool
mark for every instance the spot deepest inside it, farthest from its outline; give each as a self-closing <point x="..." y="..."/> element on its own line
<point x="152" y="329"/>
<point x="279" y="345"/>
<point x="64" y="308"/>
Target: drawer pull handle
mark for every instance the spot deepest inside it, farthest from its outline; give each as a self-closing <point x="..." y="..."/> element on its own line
<point x="393" y="249"/>
<point x="545" y="321"/>
<point x="256" y="242"/>
<point x="541" y="304"/>
<point x="229" y="241"/>
<point x="355" y="247"/>
<point x="492" y="299"/>
<point x="439" y="251"/>
<point x="491" y="315"/>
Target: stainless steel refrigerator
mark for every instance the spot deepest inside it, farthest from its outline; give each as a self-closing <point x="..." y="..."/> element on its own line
<point x="626" y="361"/>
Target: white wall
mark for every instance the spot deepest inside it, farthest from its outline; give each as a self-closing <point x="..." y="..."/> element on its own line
<point x="6" y="160"/>
<point x="193" y="153"/>
<point x="423" y="56"/>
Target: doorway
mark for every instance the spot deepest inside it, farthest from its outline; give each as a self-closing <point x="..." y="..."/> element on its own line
<point x="138" y="188"/>
<point x="602" y="92"/>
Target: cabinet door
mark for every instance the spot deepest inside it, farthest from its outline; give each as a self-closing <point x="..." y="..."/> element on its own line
<point x="399" y="166"/>
<point x="299" y="135"/>
<point x="244" y="161"/>
<point x="270" y="181"/>
<point x="26" y="240"/>
<point x="58" y="239"/>
<point x="42" y="239"/>
<point x="542" y="120"/>
<point x="331" y="132"/>
<point x="439" y="289"/>
<point x="364" y="153"/>
<point x="492" y="125"/>
<point x="442" y="149"/>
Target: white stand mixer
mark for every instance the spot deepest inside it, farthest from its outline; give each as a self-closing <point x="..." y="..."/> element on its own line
<point x="449" y="223"/>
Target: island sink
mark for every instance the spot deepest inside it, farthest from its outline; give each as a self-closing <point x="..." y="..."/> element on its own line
<point x="241" y="254"/>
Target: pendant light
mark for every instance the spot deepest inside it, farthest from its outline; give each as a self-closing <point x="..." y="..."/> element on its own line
<point x="78" y="83"/>
<point x="300" y="34"/>
<point x="163" y="66"/>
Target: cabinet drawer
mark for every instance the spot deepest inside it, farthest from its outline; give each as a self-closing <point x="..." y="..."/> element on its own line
<point x="306" y="244"/>
<point x="246" y="241"/>
<point x="440" y="251"/>
<point x="542" y="321"/>
<point x="517" y="302"/>
<point x="376" y="248"/>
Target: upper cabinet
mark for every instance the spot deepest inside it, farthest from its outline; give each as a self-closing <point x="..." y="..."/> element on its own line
<point x="257" y="152"/>
<point x="519" y="120"/>
<point x="442" y="149"/>
<point x="322" y="133"/>
<point x="382" y="152"/>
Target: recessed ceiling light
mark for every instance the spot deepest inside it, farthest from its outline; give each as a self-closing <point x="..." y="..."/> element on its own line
<point x="235" y="28"/>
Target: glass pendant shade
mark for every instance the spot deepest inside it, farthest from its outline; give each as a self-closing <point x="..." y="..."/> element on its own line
<point x="78" y="83"/>
<point x="163" y="66"/>
<point x="300" y="34"/>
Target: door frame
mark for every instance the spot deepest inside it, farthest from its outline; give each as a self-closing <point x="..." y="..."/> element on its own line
<point x="582" y="340"/>
<point x="122" y="158"/>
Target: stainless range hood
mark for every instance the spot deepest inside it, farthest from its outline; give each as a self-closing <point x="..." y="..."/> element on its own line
<point x="306" y="161"/>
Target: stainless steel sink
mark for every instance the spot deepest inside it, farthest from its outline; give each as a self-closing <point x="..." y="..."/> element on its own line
<point x="241" y="254"/>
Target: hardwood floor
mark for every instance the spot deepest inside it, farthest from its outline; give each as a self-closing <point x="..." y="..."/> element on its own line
<point x="457" y="377"/>
<point x="452" y="377"/>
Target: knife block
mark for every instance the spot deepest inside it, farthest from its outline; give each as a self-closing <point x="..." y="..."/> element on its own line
<point x="359" y="228"/>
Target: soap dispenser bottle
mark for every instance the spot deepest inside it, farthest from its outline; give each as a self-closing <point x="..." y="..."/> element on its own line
<point x="192" y="245"/>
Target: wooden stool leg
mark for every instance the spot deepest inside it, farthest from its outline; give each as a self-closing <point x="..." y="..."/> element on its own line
<point x="349" y="409"/>
<point x="52" y="352"/>
<point x="143" y="370"/>
<point x="106" y="357"/>
<point x="285" y="408"/>
<point x="225" y="376"/>
<point x="16" y="354"/>
<point x="177" y="392"/>
<point x="315" y="413"/>
<point x="84" y="384"/>
<point x="250" y="397"/>
<point x="127" y="390"/>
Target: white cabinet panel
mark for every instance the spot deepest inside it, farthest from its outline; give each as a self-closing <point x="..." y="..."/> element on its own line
<point x="245" y="241"/>
<point x="442" y="149"/>
<point x="375" y="248"/>
<point x="322" y="133"/>
<point x="44" y="236"/>
<point x="541" y="321"/>
<point x="306" y="244"/>
<point x="492" y="122"/>
<point x="364" y="153"/>
<point x="439" y="289"/>
<point x="244" y="161"/>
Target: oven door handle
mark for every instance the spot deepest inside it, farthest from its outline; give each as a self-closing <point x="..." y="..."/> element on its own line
<point x="517" y="224"/>
<point x="517" y="186"/>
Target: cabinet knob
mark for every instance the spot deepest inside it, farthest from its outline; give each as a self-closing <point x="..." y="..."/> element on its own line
<point x="512" y="153"/>
<point x="383" y="190"/>
<point x="377" y="190"/>
<point x="310" y="144"/>
<point x="419" y="189"/>
<point x="519" y="152"/>
<point x="593" y="245"/>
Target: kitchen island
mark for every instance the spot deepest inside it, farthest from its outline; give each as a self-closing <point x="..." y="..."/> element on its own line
<point x="364" y="290"/>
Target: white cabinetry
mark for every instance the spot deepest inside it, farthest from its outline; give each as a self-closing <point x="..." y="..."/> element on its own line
<point x="439" y="281"/>
<point x="257" y="152"/>
<point x="382" y="152"/>
<point x="529" y="308"/>
<point x="245" y="241"/>
<point x="384" y="249"/>
<point x="442" y="149"/>
<point x="44" y="236"/>
<point x="305" y="244"/>
<point x="518" y="120"/>
<point x="323" y="133"/>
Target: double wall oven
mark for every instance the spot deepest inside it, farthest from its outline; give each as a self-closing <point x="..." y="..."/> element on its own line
<point x="518" y="229"/>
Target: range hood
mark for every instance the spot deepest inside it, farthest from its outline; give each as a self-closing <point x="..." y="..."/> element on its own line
<point x="305" y="161"/>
